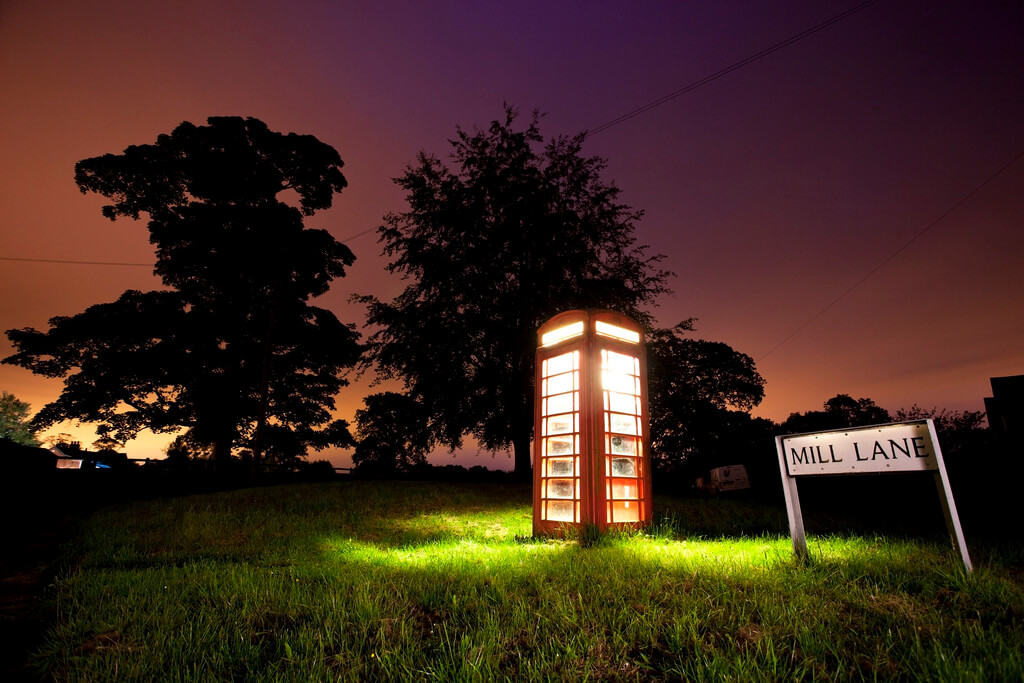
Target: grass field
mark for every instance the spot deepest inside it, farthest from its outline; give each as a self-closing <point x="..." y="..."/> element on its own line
<point x="399" y="580"/>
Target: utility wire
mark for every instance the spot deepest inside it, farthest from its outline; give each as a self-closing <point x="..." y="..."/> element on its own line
<point x="729" y="69"/>
<point x="603" y="127"/>
<point x="896" y="253"/>
<point x="358" y="234"/>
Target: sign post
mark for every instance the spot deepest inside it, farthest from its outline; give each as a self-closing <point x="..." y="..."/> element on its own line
<point x="899" y="447"/>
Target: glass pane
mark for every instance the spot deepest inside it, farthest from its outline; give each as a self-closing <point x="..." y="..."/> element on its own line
<point x="609" y="330"/>
<point x="622" y="424"/>
<point x="562" y="333"/>
<point x="623" y="445"/>
<point x="560" y="488"/>
<point x="625" y="511"/>
<point x="560" y="445"/>
<point x="616" y="381"/>
<point x="560" y="467"/>
<point x="619" y="362"/>
<point x="560" y="511"/>
<point x="559" y="424"/>
<point x="621" y="403"/>
<point x="623" y="467"/>
<point x="562" y="403"/>
<point x="560" y="364"/>
<point x="560" y="384"/>
<point x="624" y="489"/>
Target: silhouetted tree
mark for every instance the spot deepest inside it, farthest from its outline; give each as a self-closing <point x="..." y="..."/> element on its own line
<point x="14" y="420"/>
<point x="839" y="411"/>
<point x="517" y="231"/>
<point x="59" y="439"/>
<point x="856" y="412"/>
<point x="968" y="447"/>
<point x="184" y="448"/>
<point x="231" y="350"/>
<point x="106" y="442"/>
<point x="701" y="393"/>
<point x="959" y="431"/>
<point x="391" y="434"/>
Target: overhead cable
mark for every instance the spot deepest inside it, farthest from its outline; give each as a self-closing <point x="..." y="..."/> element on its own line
<point x="729" y="69"/>
<point x="894" y="254"/>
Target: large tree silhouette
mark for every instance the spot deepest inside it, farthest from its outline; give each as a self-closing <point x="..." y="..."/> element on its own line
<point x="513" y="232"/>
<point x="840" y="411"/>
<point x="701" y="394"/>
<point x="231" y="349"/>
<point x="391" y="434"/>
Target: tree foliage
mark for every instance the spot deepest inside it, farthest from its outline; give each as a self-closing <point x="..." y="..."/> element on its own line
<point x="838" y="412"/>
<point x="959" y="431"/>
<point x="14" y="420"/>
<point x="391" y="434"/>
<point x="231" y="349"/>
<point x="511" y="232"/>
<point x="700" y="393"/>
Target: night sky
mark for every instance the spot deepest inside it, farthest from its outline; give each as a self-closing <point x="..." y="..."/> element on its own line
<point x="787" y="194"/>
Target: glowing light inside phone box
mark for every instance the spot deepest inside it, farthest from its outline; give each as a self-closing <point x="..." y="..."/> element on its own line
<point x="591" y="465"/>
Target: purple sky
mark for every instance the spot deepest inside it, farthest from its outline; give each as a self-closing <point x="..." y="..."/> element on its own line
<point x="772" y="190"/>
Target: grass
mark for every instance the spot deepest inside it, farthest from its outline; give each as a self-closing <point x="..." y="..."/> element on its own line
<point x="399" y="581"/>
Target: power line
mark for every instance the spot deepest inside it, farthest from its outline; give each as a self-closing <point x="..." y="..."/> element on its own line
<point x="896" y="253"/>
<point x="358" y="234"/>
<point x="729" y="69"/>
<point x="604" y="126"/>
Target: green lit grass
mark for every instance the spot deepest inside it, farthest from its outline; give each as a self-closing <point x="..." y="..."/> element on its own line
<point x="399" y="581"/>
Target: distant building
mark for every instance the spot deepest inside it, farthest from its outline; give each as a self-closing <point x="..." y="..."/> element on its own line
<point x="68" y="463"/>
<point x="724" y="479"/>
<point x="20" y="459"/>
<point x="74" y="457"/>
<point x="1005" y="408"/>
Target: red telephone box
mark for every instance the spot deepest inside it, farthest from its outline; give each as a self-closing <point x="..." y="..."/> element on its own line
<point x="591" y="464"/>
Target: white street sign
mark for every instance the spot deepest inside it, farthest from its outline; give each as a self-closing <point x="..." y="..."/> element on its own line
<point x="882" y="448"/>
<point x="899" y="447"/>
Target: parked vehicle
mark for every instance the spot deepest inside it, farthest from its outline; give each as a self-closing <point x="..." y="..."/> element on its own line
<point x="724" y="479"/>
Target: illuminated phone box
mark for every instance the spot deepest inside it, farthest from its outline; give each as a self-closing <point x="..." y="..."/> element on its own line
<point x="591" y="465"/>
